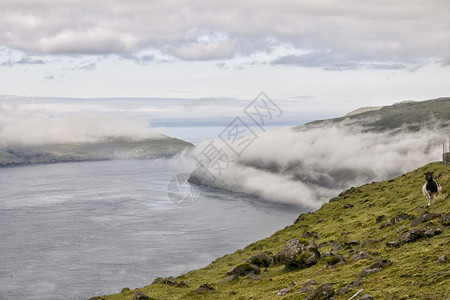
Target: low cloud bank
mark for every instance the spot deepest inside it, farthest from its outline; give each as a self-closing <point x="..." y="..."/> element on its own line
<point x="18" y="127"/>
<point x="307" y="167"/>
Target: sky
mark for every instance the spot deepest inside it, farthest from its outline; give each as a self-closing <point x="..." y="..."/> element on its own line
<point x="346" y="54"/>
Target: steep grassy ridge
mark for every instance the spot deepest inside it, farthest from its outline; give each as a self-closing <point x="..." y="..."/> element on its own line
<point x="416" y="271"/>
<point x="407" y="115"/>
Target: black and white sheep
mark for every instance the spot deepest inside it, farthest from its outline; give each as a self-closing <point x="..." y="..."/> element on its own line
<point x="432" y="188"/>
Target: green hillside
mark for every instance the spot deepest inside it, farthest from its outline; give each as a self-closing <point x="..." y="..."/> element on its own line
<point x="113" y="148"/>
<point x="371" y="225"/>
<point x="411" y="115"/>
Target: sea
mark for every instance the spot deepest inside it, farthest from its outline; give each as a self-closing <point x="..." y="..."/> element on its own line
<point x="78" y="230"/>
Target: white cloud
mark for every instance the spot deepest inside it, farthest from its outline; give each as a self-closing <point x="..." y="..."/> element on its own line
<point x="308" y="167"/>
<point x="28" y="124"/>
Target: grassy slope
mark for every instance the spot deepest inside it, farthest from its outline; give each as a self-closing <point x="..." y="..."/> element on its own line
<point x="410" y="114"/>
<point x="414" y="274"/>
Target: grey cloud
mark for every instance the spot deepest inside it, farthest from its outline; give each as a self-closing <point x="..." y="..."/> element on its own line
<point x="361" y="31"/>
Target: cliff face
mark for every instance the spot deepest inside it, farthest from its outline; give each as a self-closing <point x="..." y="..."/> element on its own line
<point x="118" y="148"/>
<point x="379" y="237"/>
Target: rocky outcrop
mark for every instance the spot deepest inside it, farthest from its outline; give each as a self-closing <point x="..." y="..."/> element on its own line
<point x="286" y="290"/>
<point x="139" y="295"/>
<point x="396" y="219"/>
<point x="446" y="220"/>
<point x="424" y="218"/>
<point x="261" y="260"/>
<point x="205" y="288"/>
<point x="361" y="255"/>
<point x="415" y="234"/>
<point x="298" y="254"/>
<point x="325" y="291"/>
<point x="244" y="269"/>
<point x="376" y="267"/>
<point x="335" y="260"/>
<point x="167" y="280"/>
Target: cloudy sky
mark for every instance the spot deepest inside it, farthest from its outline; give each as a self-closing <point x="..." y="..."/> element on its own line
<point x="352" y="53"/>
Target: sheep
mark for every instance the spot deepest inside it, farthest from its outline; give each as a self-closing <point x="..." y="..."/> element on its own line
<point x="432" y="188"/>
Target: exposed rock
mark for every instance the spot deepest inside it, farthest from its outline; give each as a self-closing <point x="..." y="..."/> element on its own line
<point x="402" y="229"/>
<point x="366" y="297"/>
<point x="442" y="259"/>
<point x="181" y="284"/>
<point x="348" y="206"/>
<point x="415" y="234"/>
<point x="345" y="194"/>
<point x="261" y="260"/>
<point x="348" y="245"/>
<point x="384" y="225"/>
<point x="325" y="291"/>
<point x="311" y="282"/>
<point x="446" y="220"/>
<point x="370" y="241"/>
<point x="320" y="220"/>
<point x="393" y="244"/>
<point x="244" y="269"/>
<point x="298" y="254"/>
<point x="376" y="267"/>
<point x="252" y="276"/>
<point x="342" y="291"/>
<point x="427" y="225"/>
<point x="396" y="219"/>
<point x="380" y="218"/>
<point x="433" y="231"/>
<point x="356" y="282"/>
<point x="337" y="247"/>
<point x="300" y="218"/>
<point x="284" y="291"/>
<point x="361" y="255"/>
<point x="335" y="260"/>
<point x="326" y="244"/>
<point x="307" y="235"/>
<point x="424" y="217"/>
<point x="205" y="288"/>
<point x="306" y="289"/>
<point x="412" y="236"/>
<point x="168" y="280"/>
<point x="229" y="278"/>
<point x="327" y="254"/>
<point x="139" y="295"/>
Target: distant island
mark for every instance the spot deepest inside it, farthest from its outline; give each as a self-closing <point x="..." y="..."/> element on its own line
<point x="107" y="149"/>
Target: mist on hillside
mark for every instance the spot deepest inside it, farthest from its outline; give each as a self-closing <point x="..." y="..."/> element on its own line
<point x="308" y="167"/>
<point x="40" y="127"/>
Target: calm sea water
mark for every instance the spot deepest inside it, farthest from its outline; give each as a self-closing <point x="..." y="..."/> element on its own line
<point x="76" y="230"/>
